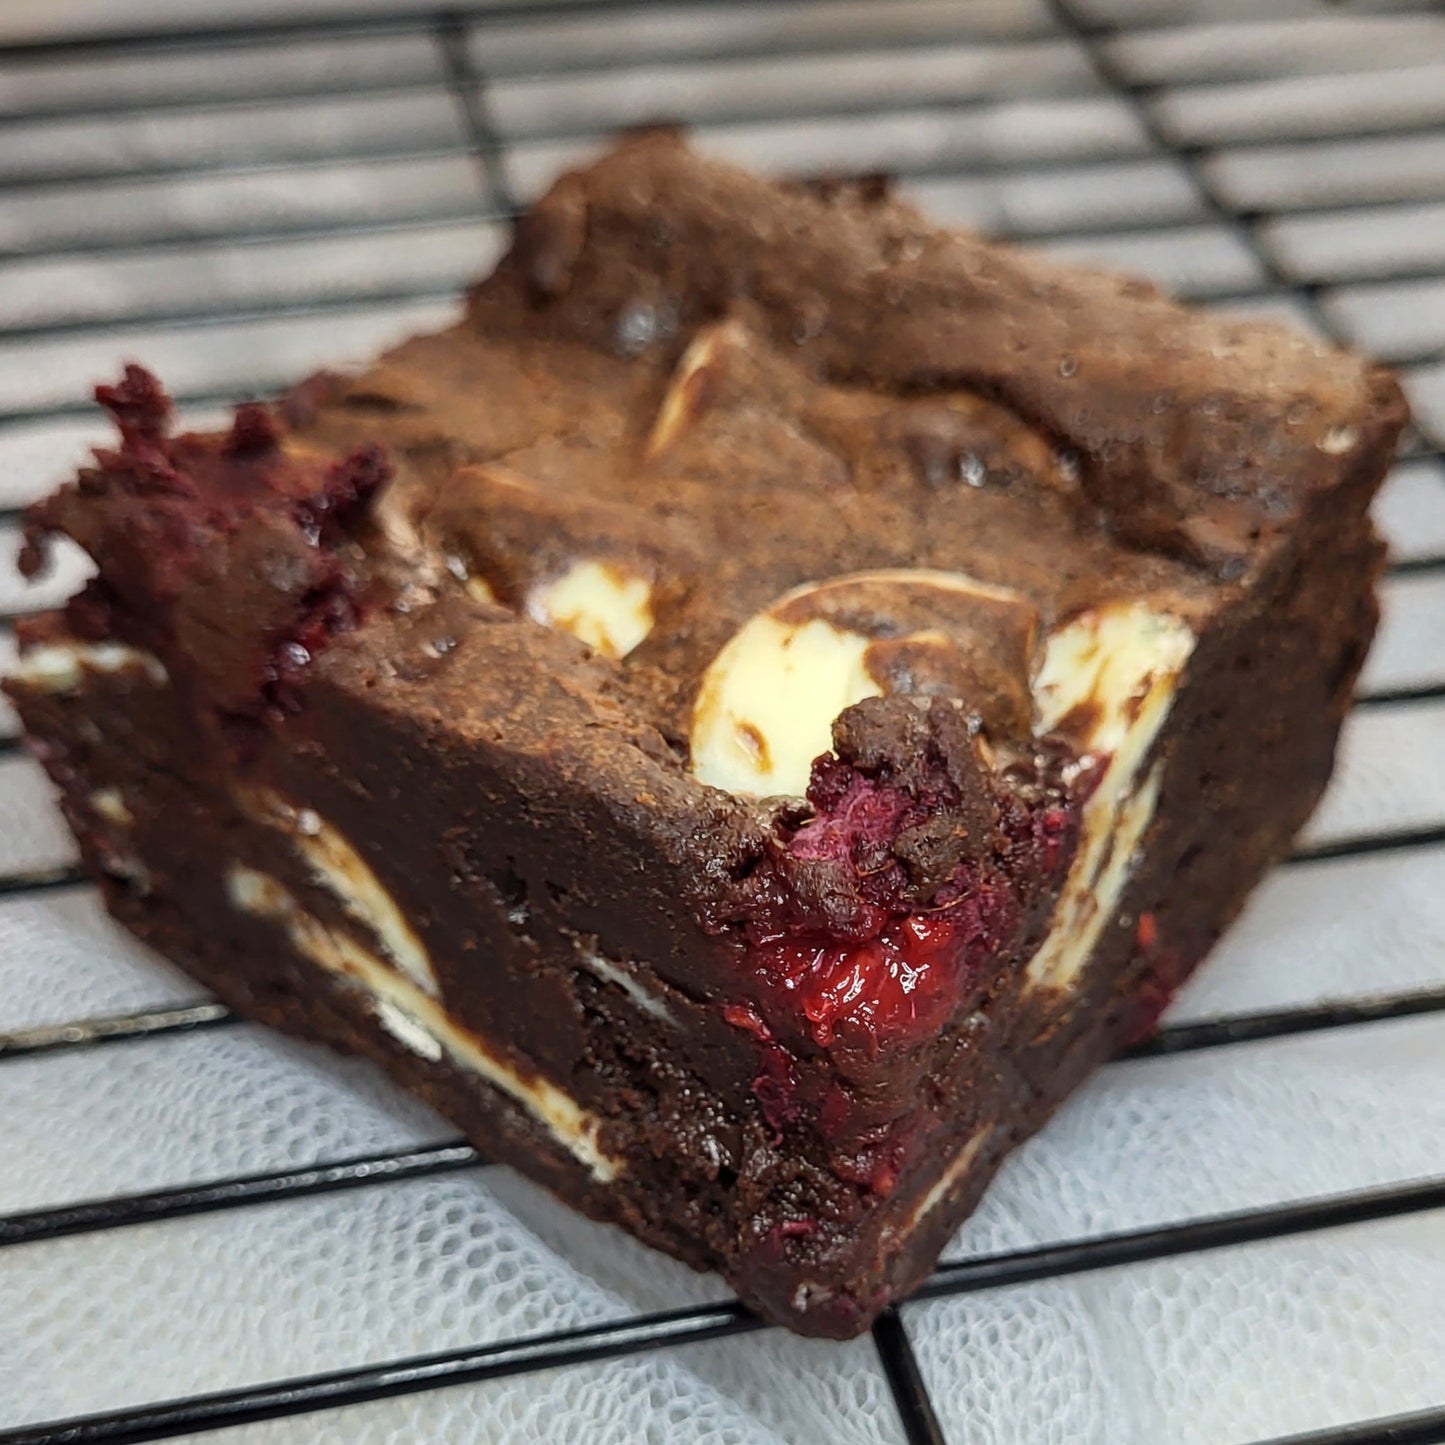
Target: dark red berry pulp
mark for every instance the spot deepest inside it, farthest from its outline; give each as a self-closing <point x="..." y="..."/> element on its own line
<point x="877" y="923"/>
<point x="222" y="553"/>
<point x="1151" y="992"/>
<point x="903" y="985"/>
<point x="876" y="965"/>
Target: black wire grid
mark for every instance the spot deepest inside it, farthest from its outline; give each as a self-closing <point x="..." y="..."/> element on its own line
<point x="1107" y="45"/>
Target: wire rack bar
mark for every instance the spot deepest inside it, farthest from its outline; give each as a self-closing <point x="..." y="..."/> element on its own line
<point x="1222" y="1231"/>
<point x="372" y="22"/>
<point x="371" y="298"/>
<point x="182" y="318"/>
<point x="198" y="239"/>
<point x="81" y="410"/>
<point x="85" y="1033"/>
<point x="414" y="84"/>
<point x="43" y="880"/>
<point x="618" y="1339"/>
<point x="130" y="244"/>
<point x="364" y="22"/>
<point x="1391" y="841"/>
<point x="1422" y="450"/>
<point x="613" y="1341"/>
<point x="1253" y="1028"/>
<point x="1416" y="566"/>
<point x="468" y="89"/>
<point x="153" y="1206"/>
<point x="905" y="1380"/>
<point x="540" y="67"/>
<point x="598" y="62"/>
<point x="943" y="102"/>
<point x="203" y="103"/>
<point x="446" y="1156"/>
<point x="1421" y="1427"/>
<point x="401" y="151"/>
<point x="943" y="167"/>
<point x="1395" y="696"/>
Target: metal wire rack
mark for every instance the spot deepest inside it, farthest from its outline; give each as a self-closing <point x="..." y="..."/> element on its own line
<point x="243" y="202"/>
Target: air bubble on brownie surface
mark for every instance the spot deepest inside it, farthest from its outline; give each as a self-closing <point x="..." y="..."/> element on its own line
<point x="57" y="667"/>
<point x="342" y="871"/>
<point x="766" y="706"/>
<point x="599" y="603"/>
<point x="263" y="896"/>
<point x="628" y="982"/>
<point x="1106" y="681"/>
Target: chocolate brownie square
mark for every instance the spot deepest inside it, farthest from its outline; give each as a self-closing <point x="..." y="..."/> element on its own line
<point x="744" y="721"/>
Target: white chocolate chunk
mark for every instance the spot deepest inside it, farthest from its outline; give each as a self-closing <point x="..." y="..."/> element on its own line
<point x="684" y="399"/>
<point x="1121" y="662"/>
<point x="418" y="1021"/>
<point x="59" y="667"/>
<point x="407" y="1031"/>
<point x="599" y="603"/>
<point x="909" y="579"/>
<point x="1115" y="669"/>
<point x="767" y="704"/>
<point x="959" y="1166"/>
<point x="340" y="869"/>
<point x="629" y="983"/>
<point x="109" y="803"/>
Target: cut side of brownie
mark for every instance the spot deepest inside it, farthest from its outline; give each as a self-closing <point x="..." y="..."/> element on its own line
<point x="742" y="723"/>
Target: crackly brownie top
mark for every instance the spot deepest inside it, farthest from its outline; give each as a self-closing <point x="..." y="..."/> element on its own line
<point x="700" y="432"/>
<point x="717" y="389"/>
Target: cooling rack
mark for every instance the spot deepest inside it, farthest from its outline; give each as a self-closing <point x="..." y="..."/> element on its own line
<point x="1236" y="1234"/>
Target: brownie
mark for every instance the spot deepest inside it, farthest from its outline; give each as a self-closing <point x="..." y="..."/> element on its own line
<point x="744" y="721"/>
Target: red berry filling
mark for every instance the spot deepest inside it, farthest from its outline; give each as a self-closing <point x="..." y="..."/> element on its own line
<point x="1153" y="991"/>
<point x="896" y="972"/>
<point x="903" y="984"/>
<point x="876" y="919"/>
<point x="775" y="1085"/>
